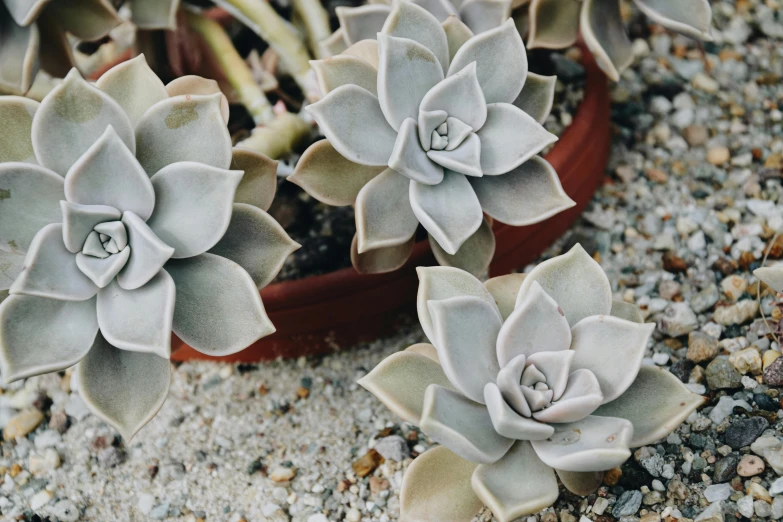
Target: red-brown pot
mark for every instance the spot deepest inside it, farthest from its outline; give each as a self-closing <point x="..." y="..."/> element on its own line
<point x="330" y="312"/>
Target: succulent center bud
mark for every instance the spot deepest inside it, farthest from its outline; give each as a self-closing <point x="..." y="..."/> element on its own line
<point x="106" y="239"/>
<point x="440" y="137"/>
<point x="535" y="389"/>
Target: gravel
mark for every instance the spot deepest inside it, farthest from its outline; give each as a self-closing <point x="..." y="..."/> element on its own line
<point x="690" y="208"/>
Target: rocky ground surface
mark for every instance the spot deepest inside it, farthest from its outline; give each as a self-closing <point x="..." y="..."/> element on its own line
<point x="690" y="208"/>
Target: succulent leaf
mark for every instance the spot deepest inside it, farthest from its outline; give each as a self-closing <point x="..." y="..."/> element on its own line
<point x="537" y="96"/>
<point x="384" y="217"/>
<point x="345" y="70"/>
<point x="40" y="335"/>
<point x="155" y="14"/>
<point x="508" y="423"/>
<point x="124" y="388"/>
<point x="416" y="23"/>
<point x="148" y="256"/>
<point x="457" y="33"/>
<point x="483" y="15"/>
<point x="16" y="113"/>
<point x="259" y="183"/>
<point x="498" y="484"/>
<point x="135" y="87"/>
<point x="604" y="34"/>
<point x="19" y="46"/>
<point x="475" y="254"/>
<point x="363" y="22"/>
<point x="554" y="24"/>
<point x="380" y="260"/>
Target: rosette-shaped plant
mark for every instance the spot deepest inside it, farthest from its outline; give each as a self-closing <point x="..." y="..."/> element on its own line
<point x="555" y="24"/>
<point x="33" y="35"/>
<point x="120" y="223"/>
<point x="527" y="376"/>
<point x="425" y="128"/>
<point x="364" y="22"/>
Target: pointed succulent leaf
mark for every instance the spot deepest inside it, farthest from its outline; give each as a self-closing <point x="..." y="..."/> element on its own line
<point x="475" y="254"/>
<point x="554" y="24"/>
<point x="401" y="380"/>
<point x="427" y="350"/>
<point x="656" y="404"/>
<point x="24" y="12"/>
<point x="102" y="271"/>
<point x="351" y="119"/>
<point x="256" y="242"/>
<point x="71" y="119"/>
<point x="345" y="70"/>
<point x="462" y="425"/>
<point x="627" y="311"/>
<point x="501" y="62"/>
<point x="87" y="20"/>
<point x="460" y="96"/>
<point x="504" y="290"/>
<point x="693" y="19"/>
<point x="509" y="381"/>
<point x="108" y="174"/>
<point x="259" y="183"/>
<point x="39" y="335"/>
<point x="440" y="9"/>
<point x="19" y="47"/>
<point x="428" y="122"/>
<point x="406" y="72"/>
<point x="192" y="84"/>
<point x="194" y="204"/>
<point x="509" y="138"/>
<point x="183" y="128"/>
<point x="436" y="488"/>
<point x="135" y="87"/>
<point x="50" y="270"/>
<point x="591" y="444"/>
<point x="408" y="20"/>
<point x="537" y="96"/>
<point x="772" y="276"/>
<point x="604" y="34"/>
<point x="582" y="397"/>
<point x="450" y="211"/>
<point x="380" y="260"/>
<point x="409" y="159"/>
<point x="465" y="330"/>
<point x="80" y="220"/>
<point x="155" y="14"/>
<point x="537" y="324"/>
<point x="612" y="349"/>
<point x="125" y="389"/>
<point x="327" y="176"/>
<point x="528" y="194"/>
<point x="443" y="282"/>
<point x="457" y="33"/>
<point x="576" y="283"/>
<point x="335" y="44"/>
<point x="218" y="309"/>
<point x="581" y="483"/>
<point x="483" y="15"/>
<point x="148" y="255"/>
<point x="465" y="159"/>
<point x="29" y="200"/>
<point x="384" y="217"/>
<point x="139" y="320"/>
<point x="508" y="422"/>
<point x="367" y="50"/>
<point x="363" y="22"/>
<point x="16" y="113"/>
<point x="517" y="485"/>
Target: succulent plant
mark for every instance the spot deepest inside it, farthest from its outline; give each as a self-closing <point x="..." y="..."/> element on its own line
<point x="527" y="376"/>
<point x="364" y="22"/>
<point x="424" y="127"/>
<point x="555" y="24"/>
<point x="120" y="223"/>
<point x="33" y="35"/>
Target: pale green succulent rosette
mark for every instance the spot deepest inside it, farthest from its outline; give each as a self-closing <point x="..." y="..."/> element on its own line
<point x="432" y="125"/>
<point x="555" y="24"/>
<point x="364" y="22"/>
<point x="124" y="217"/>
<point x="527" y="377"/>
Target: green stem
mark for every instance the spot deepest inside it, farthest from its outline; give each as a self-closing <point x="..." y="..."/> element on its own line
<point x="233" y="67"/>
<point x="259" y="16"/>
<point x="279" y="137"/>
<point x="316" y="23"/>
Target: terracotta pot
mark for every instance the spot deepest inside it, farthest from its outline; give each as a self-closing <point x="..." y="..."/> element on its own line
<point x="326" y="313"/>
